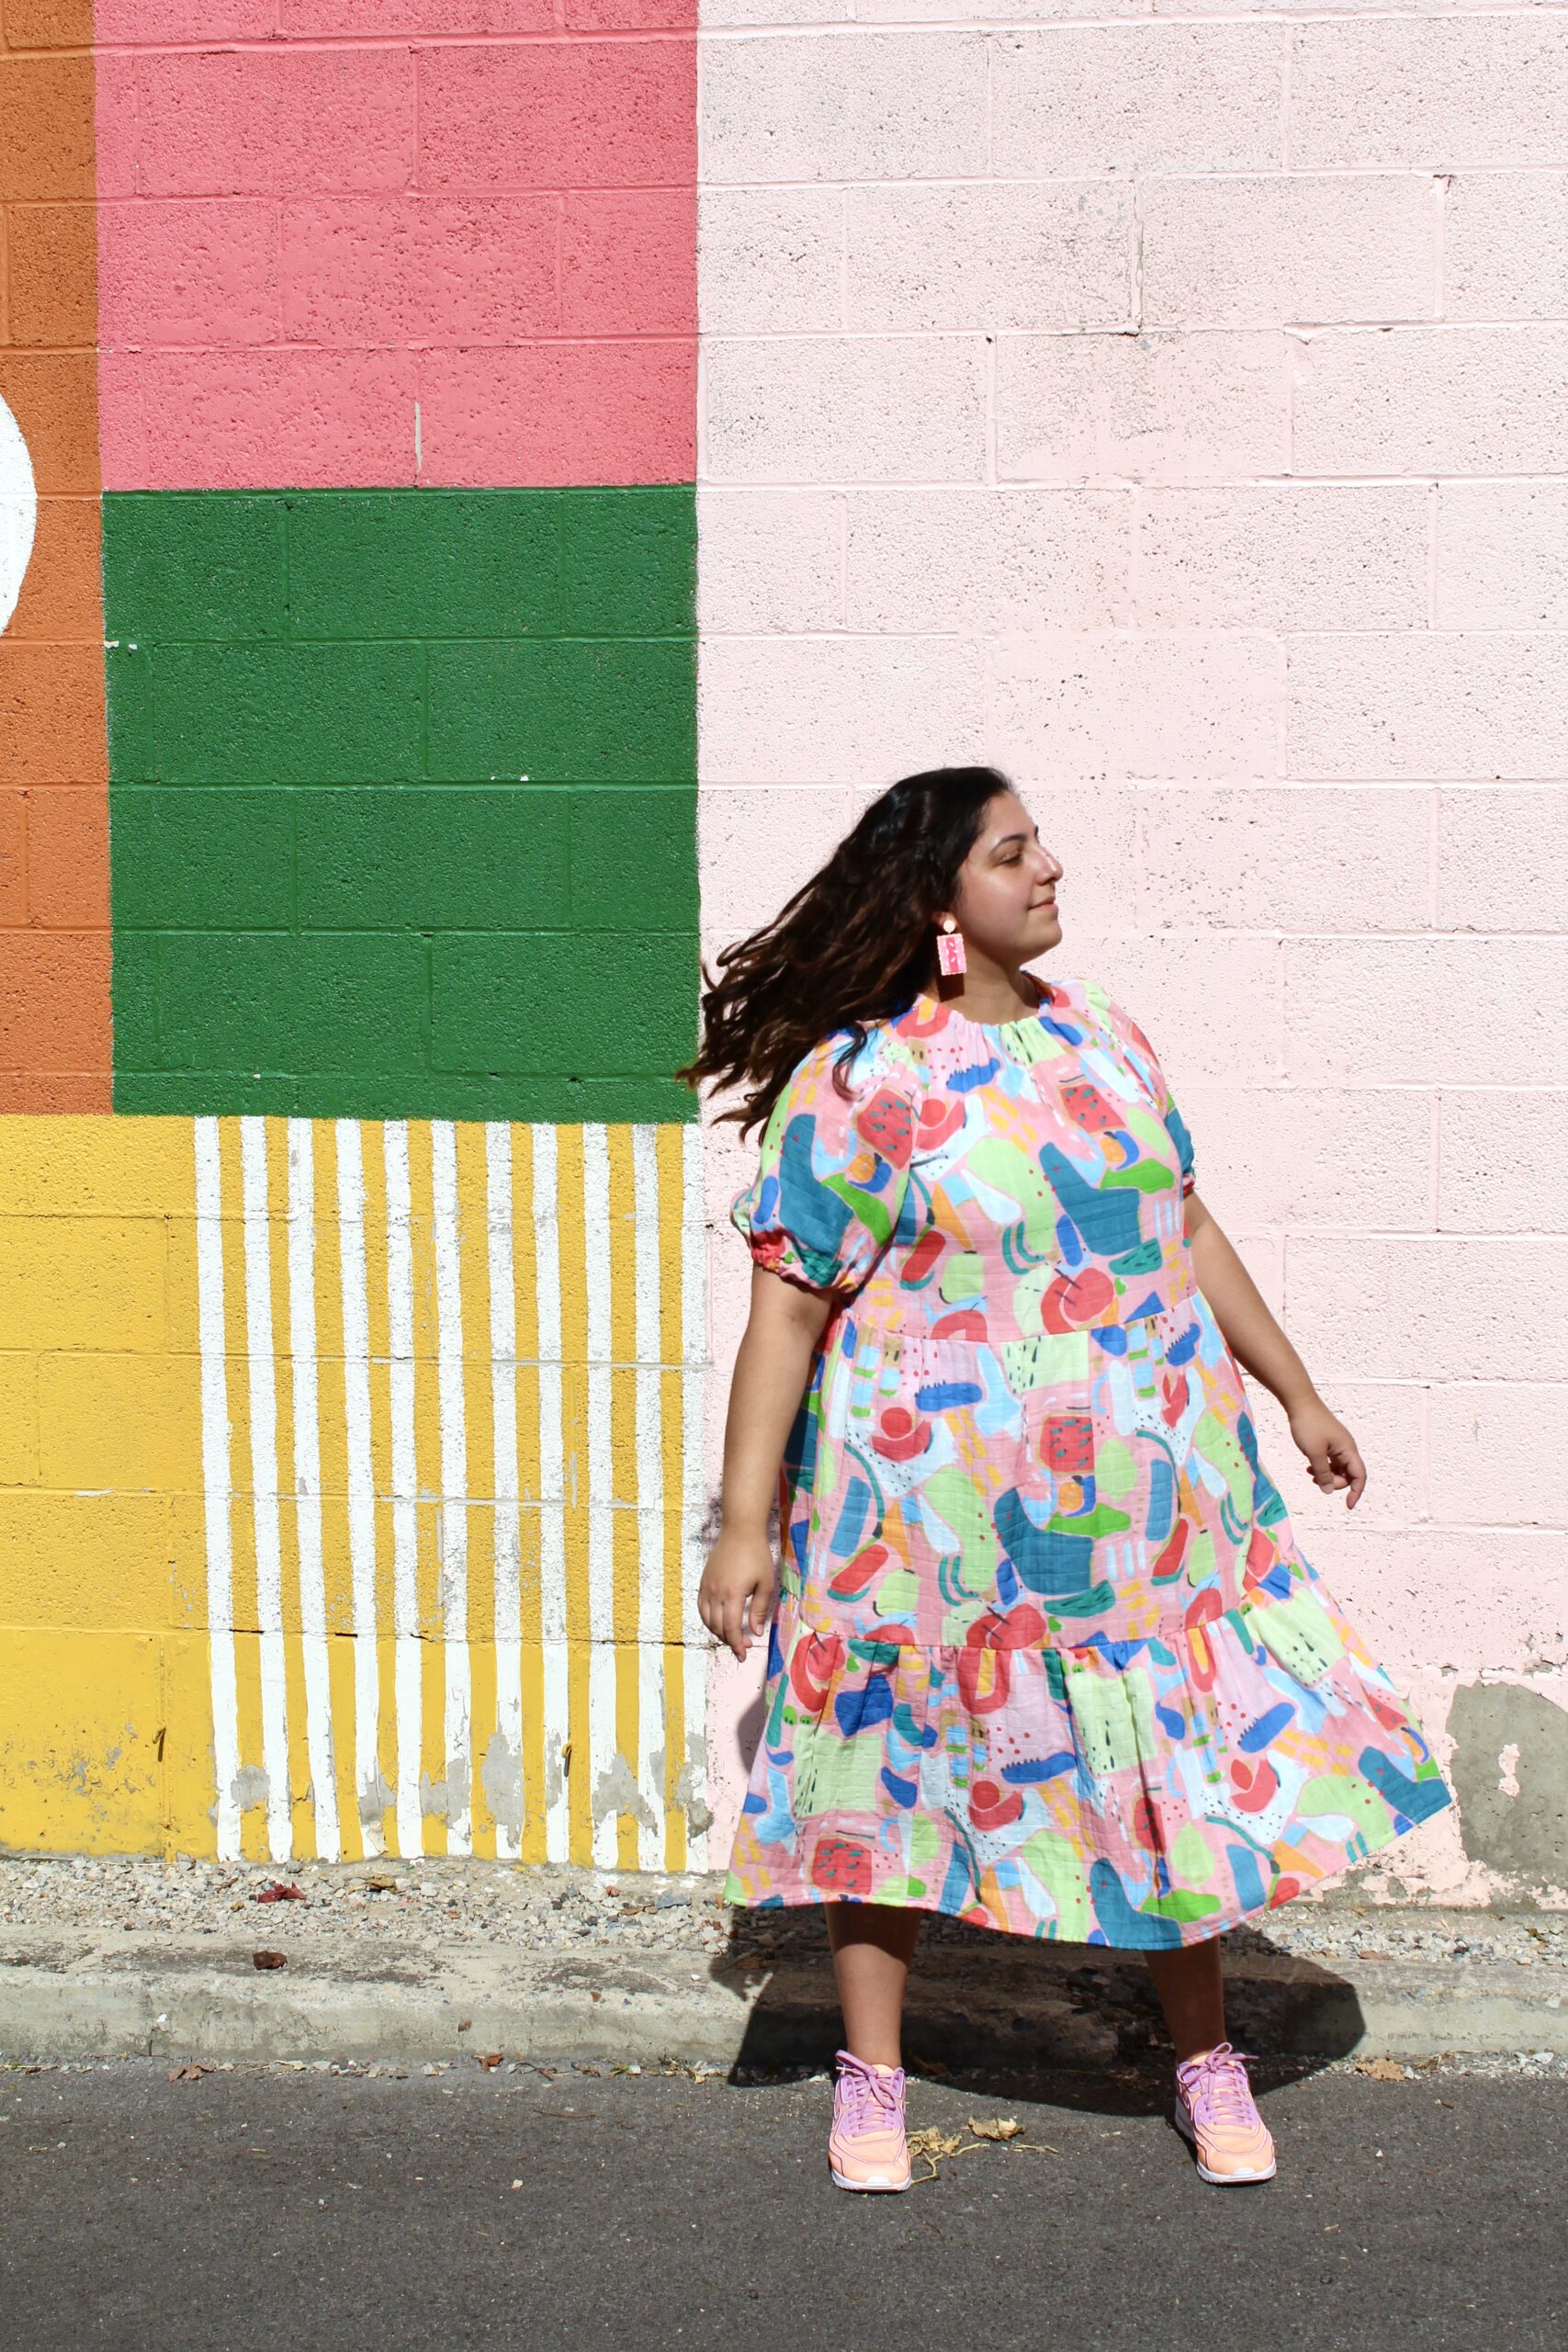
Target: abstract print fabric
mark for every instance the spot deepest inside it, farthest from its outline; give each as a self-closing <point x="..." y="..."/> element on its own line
<point x="1046" y="1657"/>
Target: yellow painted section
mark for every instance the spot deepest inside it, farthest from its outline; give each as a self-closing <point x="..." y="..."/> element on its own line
<point x="109" y="1313"/>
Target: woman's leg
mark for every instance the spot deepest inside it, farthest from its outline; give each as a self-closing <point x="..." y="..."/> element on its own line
<point x="872" y="1944"/>
<point x="1193" y="1995"/>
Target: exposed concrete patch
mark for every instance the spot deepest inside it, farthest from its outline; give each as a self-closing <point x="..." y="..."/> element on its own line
<point x="1510" y="1774"/>
<point x="501" y="1777"/>
<point x="616" y="1792"/>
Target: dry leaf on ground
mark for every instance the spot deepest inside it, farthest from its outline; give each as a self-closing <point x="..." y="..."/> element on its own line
<point x="1382" y="2070"/>
<point x="1000" y="2127"/>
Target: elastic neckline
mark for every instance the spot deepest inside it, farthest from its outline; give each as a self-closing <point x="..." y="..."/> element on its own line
<point x="934" y="1003"/>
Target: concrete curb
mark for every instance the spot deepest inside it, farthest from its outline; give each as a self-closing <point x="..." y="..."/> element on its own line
<point x="73" y="1996"/>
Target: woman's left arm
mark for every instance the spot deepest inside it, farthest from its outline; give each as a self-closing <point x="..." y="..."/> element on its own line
<point x="1261" y="1348"/>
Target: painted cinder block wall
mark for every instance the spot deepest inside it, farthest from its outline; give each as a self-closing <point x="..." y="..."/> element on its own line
<point x="1170" y="404"/>
<point x="537" y="467"/>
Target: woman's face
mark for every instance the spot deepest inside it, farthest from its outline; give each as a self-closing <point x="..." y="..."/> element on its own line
<point x="1006" y="903"/>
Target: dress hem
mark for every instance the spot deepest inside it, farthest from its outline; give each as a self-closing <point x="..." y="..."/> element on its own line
<point x="976" y="1914"/>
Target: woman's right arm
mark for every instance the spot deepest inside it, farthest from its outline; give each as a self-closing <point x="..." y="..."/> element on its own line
<point x="771" y="1371"/>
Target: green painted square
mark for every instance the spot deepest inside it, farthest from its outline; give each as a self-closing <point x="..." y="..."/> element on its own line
<point x="564" y="711"/>
<point x="210" y="567"/>
<point x="232" y="850"/>
<point x="628" y="562"/>
<point x="632" y="859"/>
<point x="403" y="801"/>
<point x="432" y="858"/>
<point x="565" y="1004"/>
<point x="429" y="565"/>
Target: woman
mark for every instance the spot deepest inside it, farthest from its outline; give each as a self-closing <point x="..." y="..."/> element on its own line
<point x="1048" y="1657"/>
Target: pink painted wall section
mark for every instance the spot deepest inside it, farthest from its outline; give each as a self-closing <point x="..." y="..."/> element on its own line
<point x="421" y="257"/>
<point x="1171" y="412"/>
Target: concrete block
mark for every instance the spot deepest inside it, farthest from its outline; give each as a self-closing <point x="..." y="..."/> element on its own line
<point x="1246" y="252"/>
<point x="1421" y="1306"/>
<point x="1407" y="1012"/>
<point x="1313" y="1156"/>
<point x="771" y="259"/>
<point x="1505" y="246"/>
<point x="217" y="420"/>
<point x="1502" y="555"/>
<point x="288" y="715"/>
<point x="1233" y="979"/>
<point x="1501" y="1153"/>
<point x="1451" y="1598"/>
<point x="1140" y="408"/>
<point x="1425" y="706"/>
<point x="849" y="106"/>
<point x="628" y="261"/>
<point x="1136" y="99"/>
<point x="549" y="114"/>
<point x="273" y="122"/>
<point x="192" y="270"/>
<point x="885" y="407"/>
<point x="1434" y="94"/>
<point x="82" y="1282"/>
<point x="1057" y="254"/>
<point x="212" y="857"/>
<point x="758" y="844"/>
<point x="1498" y="1450"/>
<point x="18" y="1418"/>
<point x="770" y="560"/>
<point x="1294" y="859"/>
<point x="192" y="566"/>
<point x="130" y="1422"/>
<point x="837" y="710"/>
<point x="557" y="414"/>
<point x="1430" y="399"/>
<point x="988" y="560"/>
<point x="1284" y="557"/>
<point x="1081" y="705"/>
<point x="561" y="711"/>
<point x="1502" y="861"/>
<point x="399" y="269"/>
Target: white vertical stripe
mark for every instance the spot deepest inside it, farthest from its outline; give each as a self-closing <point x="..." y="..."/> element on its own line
<point x="601" y="1530"/>
<point x="217" y="1483"/>
<point x="508" y="1535"/>
<point x="308" y="1487"/>
<point x="262" y="1370"/>
<point x="552" y="1491"/>
<point x="694" y="1355"/>
<point x="405" y="1472"/>
<point x="650" y="1497"/>
<point x="361" y="1483"/>
<point x="454" y="1489"/>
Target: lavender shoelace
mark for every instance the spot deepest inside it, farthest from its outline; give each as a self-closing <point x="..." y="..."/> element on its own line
<point x="1216" y="2089"/>
<point x="859" y="2089"/>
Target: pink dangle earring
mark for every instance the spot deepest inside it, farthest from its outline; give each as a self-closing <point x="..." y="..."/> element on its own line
<point x="950" y="954"/>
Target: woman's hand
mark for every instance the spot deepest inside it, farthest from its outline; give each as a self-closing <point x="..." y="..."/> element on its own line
<point x="736" y="1595"/>
<point x="1333" y="1456"/>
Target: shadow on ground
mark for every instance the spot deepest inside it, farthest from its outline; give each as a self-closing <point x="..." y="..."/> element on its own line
<point x="994" y="2011"/>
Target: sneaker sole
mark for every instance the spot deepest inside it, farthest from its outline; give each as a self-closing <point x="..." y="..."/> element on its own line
<point x="879" y="2184"/>
<point x="1221" y="2180"/>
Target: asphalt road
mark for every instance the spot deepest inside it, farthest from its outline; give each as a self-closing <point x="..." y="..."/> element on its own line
<point x="265" y="2210"/>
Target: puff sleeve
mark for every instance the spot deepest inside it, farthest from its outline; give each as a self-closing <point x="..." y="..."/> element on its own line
<point x="1136" y="1045"/>
<point x="833" y="1171"/>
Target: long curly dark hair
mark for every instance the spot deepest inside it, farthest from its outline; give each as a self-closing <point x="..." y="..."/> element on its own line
<point x="851" y="947"/>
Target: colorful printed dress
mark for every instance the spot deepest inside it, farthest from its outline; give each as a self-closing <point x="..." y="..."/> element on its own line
<point x="1047" y="1655"/>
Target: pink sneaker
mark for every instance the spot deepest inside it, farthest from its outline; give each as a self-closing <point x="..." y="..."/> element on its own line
<point x="866" y="2148"/>
<point x="1214" y="2110"/>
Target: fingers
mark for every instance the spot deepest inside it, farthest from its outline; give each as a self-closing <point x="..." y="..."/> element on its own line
<point x="1356" y="1472"/>
<point x="739" y="1617"/>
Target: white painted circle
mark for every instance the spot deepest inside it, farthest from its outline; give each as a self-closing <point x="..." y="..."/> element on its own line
<point x="19" y="512"/>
